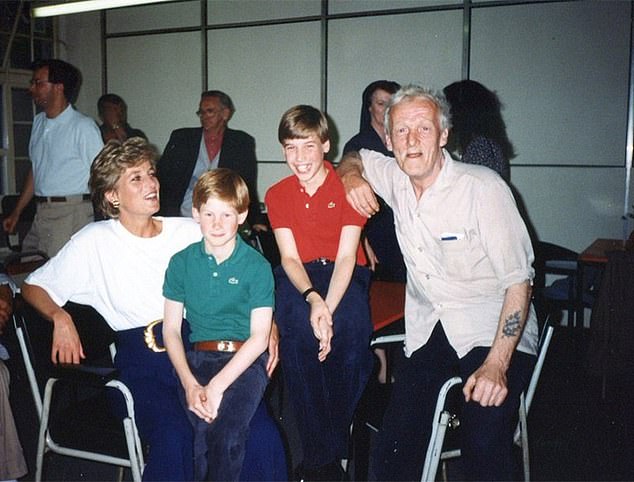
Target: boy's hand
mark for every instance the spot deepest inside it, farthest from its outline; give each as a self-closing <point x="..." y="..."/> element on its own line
<point x="324" y="337"/>
<point x="213" y="399"/>
<point x="321" y="322"/>
<point x="274" y="350"/>
<point x="196" y="402"/>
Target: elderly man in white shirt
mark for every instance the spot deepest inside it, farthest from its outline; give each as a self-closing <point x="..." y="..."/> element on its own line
<point x="469" y="274"/>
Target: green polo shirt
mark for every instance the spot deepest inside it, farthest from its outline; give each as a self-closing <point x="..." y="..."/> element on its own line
<point x="219" y="298"/>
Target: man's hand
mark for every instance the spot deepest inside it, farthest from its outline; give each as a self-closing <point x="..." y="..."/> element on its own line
<point x="66" y="343"/>
<point x="274" y="350"/>
<point x="358" y="192"/>
<point x="487" y="385"/>
<point x="10" y="222"/>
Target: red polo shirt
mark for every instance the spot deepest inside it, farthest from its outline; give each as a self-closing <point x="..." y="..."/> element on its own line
<point x="316" y="221"/>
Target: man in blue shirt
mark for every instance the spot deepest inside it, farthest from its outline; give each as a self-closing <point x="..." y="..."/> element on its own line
<point x="63" y="144"/>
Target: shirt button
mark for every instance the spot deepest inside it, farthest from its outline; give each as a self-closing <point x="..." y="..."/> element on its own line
<point x="426" y="276"/>
<point x="420" y="249"/>
<point x="307" y="205"/>
<point x="215" y="275"/>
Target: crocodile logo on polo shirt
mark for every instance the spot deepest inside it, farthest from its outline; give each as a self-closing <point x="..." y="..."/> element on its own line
<point x="331" y="205"/>
<point x="233" y="281"/>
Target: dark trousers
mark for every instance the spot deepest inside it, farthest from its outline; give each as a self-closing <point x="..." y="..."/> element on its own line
<point x="160" y="418"/>
<point x="324" y="395"/>
<point x="219" y="447"/>
<point x="487" y="432"/>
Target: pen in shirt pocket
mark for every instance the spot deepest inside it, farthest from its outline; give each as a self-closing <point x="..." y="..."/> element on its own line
<point x="451" y="236"/>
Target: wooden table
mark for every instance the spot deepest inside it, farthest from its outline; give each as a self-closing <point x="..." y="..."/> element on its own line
<point x="387" y="303"/>
<point x="595" y="254"/>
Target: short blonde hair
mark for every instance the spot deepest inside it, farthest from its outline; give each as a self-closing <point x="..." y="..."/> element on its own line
<point x="111" y="163"/>
<point x="300" y="122"/>
<point x="223" y="184"/>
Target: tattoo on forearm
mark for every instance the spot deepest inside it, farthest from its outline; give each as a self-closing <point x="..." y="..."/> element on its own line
<point x="512" y="325"/>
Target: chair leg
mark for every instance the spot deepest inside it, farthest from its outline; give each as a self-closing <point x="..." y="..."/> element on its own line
<point x="135" y="463"/>
<point x="435" y="449"/>
<point x="524" y="438"/>
<point x="41" y="440"/>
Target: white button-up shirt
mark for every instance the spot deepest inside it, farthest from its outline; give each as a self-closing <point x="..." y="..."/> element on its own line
<point x="464" y="243"/>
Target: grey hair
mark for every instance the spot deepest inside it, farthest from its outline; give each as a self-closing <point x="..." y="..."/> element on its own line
<point x="413" y="91"/>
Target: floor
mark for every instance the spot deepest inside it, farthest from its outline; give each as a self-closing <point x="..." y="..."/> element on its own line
<point x="575" y="433"/>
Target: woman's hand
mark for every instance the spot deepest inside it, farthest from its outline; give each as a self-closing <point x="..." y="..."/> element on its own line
<point x="67" y="346"/>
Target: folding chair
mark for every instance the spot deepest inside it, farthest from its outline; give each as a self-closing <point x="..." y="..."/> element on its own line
<point x="444" y="418"/>
<point x="73" y="403"/>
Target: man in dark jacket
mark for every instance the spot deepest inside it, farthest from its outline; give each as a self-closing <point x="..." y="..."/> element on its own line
<point x="192" y="151"/>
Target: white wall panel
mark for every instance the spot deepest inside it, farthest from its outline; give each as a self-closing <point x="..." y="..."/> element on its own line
<point x="266" y="70"/>
<point x="159" y="16"/>
<point x="420" y="48"/>
<point x="348" y="6"/>
<point x="562" y="72"/>
<point x="159" y="76"/>
<point x="257" y="10"/>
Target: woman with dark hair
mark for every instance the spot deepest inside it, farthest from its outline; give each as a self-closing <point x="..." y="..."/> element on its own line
<point x="381" y="245"/>
<point x="478" y="135"/>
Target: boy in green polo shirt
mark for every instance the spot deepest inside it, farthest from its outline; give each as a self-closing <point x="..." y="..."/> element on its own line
<point x="227" y="289"/>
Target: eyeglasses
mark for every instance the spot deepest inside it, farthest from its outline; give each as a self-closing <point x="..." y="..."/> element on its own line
<point x="36" y="82"/>
<point x="201" y="112"/>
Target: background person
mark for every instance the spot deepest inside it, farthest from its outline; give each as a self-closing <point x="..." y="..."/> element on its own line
<point x="478" y="132"/>
<point x="192" y="151"/>
<point x="113" y="112"/>
<point x="62" y="146"/>
<point x="384" y="254"/>
<point x="379" y="237"/>
<point x="467" y="306"/>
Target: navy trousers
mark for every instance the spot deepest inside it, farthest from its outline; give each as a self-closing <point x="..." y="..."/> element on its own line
<point x="487" y="432"/>
<point x="325" y="394"/>
<point x="219" y="446"/>
<point x="160" y="418"/>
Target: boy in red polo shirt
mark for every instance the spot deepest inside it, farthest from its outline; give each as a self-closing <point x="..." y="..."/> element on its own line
<point x="321" y="293"/>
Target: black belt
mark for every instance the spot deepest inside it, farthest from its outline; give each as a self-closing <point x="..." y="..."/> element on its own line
<point x="61" y="199"/>
<point x="322" y="261"/>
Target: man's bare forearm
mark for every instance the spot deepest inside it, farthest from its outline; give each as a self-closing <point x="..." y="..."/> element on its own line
<point x="512" y="321"/>
<point x="350" y="164"/>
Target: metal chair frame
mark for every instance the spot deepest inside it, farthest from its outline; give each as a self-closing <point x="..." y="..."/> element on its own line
<point x="135" y="460"/>
<point x="444" y="418"/>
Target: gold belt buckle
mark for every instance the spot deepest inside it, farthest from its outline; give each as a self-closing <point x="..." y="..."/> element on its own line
<point x="150" y="339"/>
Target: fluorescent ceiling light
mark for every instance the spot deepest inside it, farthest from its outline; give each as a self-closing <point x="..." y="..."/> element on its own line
<point x="86" y="6"/>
